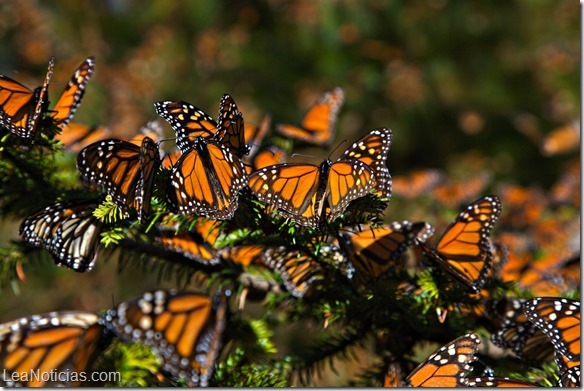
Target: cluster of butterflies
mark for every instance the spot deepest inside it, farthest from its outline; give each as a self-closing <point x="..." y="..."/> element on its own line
<point x="450" y="366"/>
<point x="185" y="330"/>
<point x="215" y="160"/>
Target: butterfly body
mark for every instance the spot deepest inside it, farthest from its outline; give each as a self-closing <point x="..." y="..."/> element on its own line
<point x="185" y="329"/>
<point x="310" y="194"/>
<point x="206" y="181"/>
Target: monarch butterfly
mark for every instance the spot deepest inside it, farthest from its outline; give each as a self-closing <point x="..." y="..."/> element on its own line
<point x="70" y="98"/>
<point x="517" y="333"/>
<point x="447" y="366"/>
<point x="196" y="244"/>
<point x="464" y="249"/>
<point x="125" y="170"/>
<point x="184" y="329"/>
<point x="297" y="270"/>
<point x="310" y="194"/>
<point x="559" y="319"/>
<point x="206" y="181"/>
<point x="451" y="194"/>
<point x="499" y="382"/>
<point x="68" y="230"/>
<point x="319" y="122"/>
<point x="62" y="344"/>
<point x="416" y="183"/>
<point x="21" y="108"/>
<point x="191" y="123"/>
<point x="374" y="250"/>
<point x="76" y="136"/>
<point x="560" y="140"/>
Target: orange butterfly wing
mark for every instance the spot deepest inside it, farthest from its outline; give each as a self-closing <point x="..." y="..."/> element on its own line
<point x="21" y="108"/>
<point x="206" y="181"/>
<point x="71" y="96"/>
<point x="464" y="250"/>
<point x="319" y="122"/>
<point x="76" y="136"/>
<point x="448" y="366"/>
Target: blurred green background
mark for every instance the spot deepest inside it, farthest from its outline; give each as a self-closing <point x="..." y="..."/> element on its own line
<point x="464" y="85"/>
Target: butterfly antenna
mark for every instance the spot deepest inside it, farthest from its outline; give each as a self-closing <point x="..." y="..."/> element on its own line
<point x="337" y="147"/>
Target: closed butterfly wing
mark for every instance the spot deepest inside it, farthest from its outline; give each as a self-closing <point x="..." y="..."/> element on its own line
<point x="187" y="121"/>
<point x="454" y="193"/>
<point x="569" y="371"/>
<point x="243" y="255"/>
<point x="297" y="270"/>
<point x="464" y="249"/>
<point x="76" y="136"/>
<point x="68" y="230"/>
<point x="231" y="128"/>
<point x="416" y="183"/>
<point x="57" y="343"/>
<point x="373" y="149"/>
<point x="447" y="366"/>
<point x="319" y="122"/>
<point x="71" y="96"/>
<point x="184" y="329"/>
<point x="21" y="108"/>
<point x="559" y="319"/>
<point x="126" y="171"/>
<point x="206" y="181"/>
<point x="376" y="249"/>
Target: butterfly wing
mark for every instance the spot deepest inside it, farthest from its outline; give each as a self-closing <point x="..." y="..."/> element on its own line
<point x="464" y="249"/>
<point x="347" y="181"/>
<point x="57" y="342"/>
<point x="448" y="366"/>
<point x="559" y="319"/>
<point x="149" y="163"/>
<point x="184" y="329"/>
<point x="374" y="250"/>
<point x="373" y="149"/>
<point x="290" y="187"/>
<point x="115" y="166"/>
<point x="319" y="122"/>
<point x="230" y="127"/>
<point x="196" y="244"/>
<point x="297" y="270"/>
<point x="76" y="136"/>
<point x="68" y="230"/>
<point x="21" y="108"/>
<point x="71" y="96"/>
<point x="255" y="134"/>
<point x="416" y="183"/>
<point x="499" y="382"/>
<point x="187" y="121"/>
<point x="206" y="181"/>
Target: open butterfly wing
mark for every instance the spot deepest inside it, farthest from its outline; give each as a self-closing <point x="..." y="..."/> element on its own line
<point x="184" y="329"/>
<point x="464" y="249"/>
<point x="347" y="181"/>
<point x="448" y="366"/>
<point x="58" y="342"/>
<point x="21" y="108"/>
<point x="187" y="121"/>
<point x="68" y="230"/>
<point x="76" y="136"/>
<point x="319" y="122"/>
<point x="373" y="150"/>
<point x="71" y="96"/>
